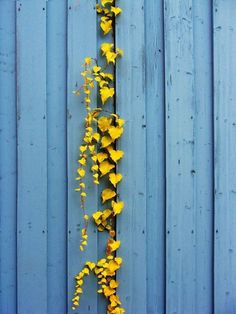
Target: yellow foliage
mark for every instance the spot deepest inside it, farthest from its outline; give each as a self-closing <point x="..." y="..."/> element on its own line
<point x="107" y="194"/>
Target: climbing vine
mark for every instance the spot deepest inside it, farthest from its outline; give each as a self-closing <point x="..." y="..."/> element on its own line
<point x="99" y="153"/>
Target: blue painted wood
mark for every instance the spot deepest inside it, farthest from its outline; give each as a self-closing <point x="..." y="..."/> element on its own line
<point x="225" y="141"/>
<point x="57" y="158"/>
<point x="131" y="105"/>
<point x="32" y="158"/>
<point x="180" y="158"/>
<point x="155" y="125"/>
<point x="203" y="154"/>
<point x="174" y="160"/>
<point x="82" y="42"/>
<point x="7" y="159"/>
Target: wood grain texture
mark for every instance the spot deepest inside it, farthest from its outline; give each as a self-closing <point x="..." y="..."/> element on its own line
<point x="82" y="42"/>
<point x="225" y="155"/>
<point x="32" y="158"/>
<point x="131" y="105"/>
<point x="155" y="154"/>
<point x="8" y="154"/>
<point x="57" y="157"/>
<point x="180" y="158"/>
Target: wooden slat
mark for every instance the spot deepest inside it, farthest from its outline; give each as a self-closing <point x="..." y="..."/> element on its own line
<point x="225" y="155"/>
<point x="131" y="105"/>
<point x="82" y="42"/>
<point x="180" y="155"/>
<point x="155" y="126"/>
<point x="7" y="159"/>
<point x="57" y="159"/>
<point x="32" y="158"/>
<point x="204" y="171"/>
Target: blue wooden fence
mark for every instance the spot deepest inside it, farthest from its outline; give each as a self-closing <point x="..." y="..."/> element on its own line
<point x="176" y="90"/>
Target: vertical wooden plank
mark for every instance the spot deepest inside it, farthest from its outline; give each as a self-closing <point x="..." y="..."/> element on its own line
<point x="57" y="158"/>
<point x="32" y="158"/>
<point x="7" y="159"/>
<point x="180" y="148"/>
<point x="204" y="172"/>
<point x="131" y="105"/>
<point x="225" y="155"/>
<point x="82" y="42"/>
<point x="155" y="126"/>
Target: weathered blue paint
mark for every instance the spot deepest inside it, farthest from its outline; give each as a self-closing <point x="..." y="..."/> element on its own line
<point x="176" y="90"/>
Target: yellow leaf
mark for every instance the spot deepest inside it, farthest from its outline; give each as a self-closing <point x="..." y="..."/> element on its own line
<point x="106" y="92"/>
<point x="106" y="47"/>
<point x="113" y="245"/>
<point x="94" y="168"/>
<point x="83" y="194"/>
<point x="81" y="172"/>
<point x="85" y="271"/>
<point x="111" y="57"/>
<point x="118" y="260"/>
<point x="115" y="178"/>
<point x="104" y="2"/>
<point x="86" y="217"/>
<point x="115" y="132"/>
<point x="102" y="156"/>
<point x="117" y="207"/>
<point x="106" y="141"/>
<point x="119" y="52"/>
<point x="96" y="136"/>
<point x="96" y="69"/>
<point x="114" y="284"/>
<point x="82" y="161"/>
<point x="116" y="10"/>
<point x="107" y="194"/>
<point x="83" y="148"/>
<point x="90" y="265"/>
<point x="104" y="123"/>
<point x="120" y="122"/>
<point x="97" y="215"/>
<point x="106" y="25"/>
<point x="105" y="167"/>
<point x="108" y="291"/>
<point x="87" y="60"/>
<point x="116" y="154"/>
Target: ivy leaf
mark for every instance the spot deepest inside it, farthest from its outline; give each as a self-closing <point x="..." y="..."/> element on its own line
<point x="106" y="92"/>
<point x="106" y="25"/>
<point x="104" y="2"/>
<point x="103" y="124"/>
<point x="101" y="156"/>
<point x="113" y="245"/>
<point x="105" y="167"/>
<point x="106" y="47"/>
<point x="115" y="132"/>
<point x="115" y="178"/>
<point x="116" y="154"/>
<point x="106" y="141"/>
<point x="107" y="194"/>
<point x="116" y="10"/>
<point x="117" y="207"/>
